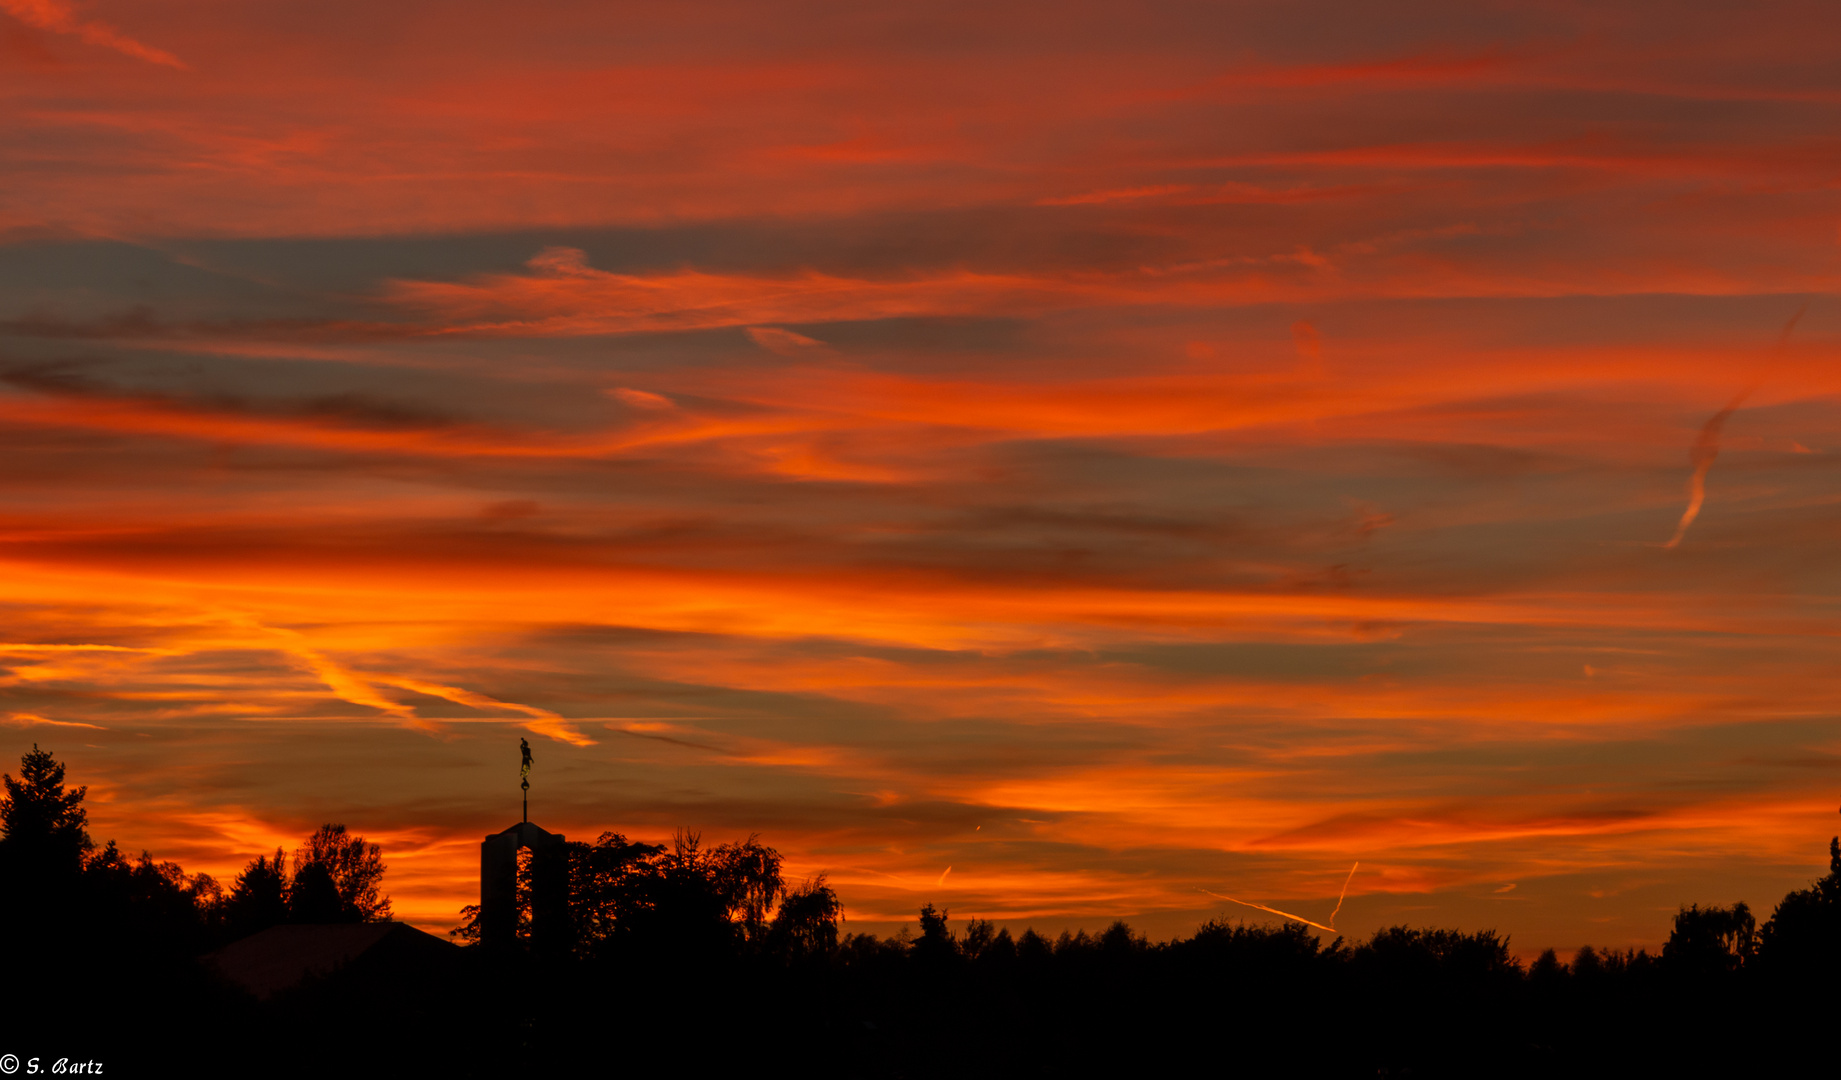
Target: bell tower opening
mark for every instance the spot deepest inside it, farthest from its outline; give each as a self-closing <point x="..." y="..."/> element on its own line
<point x="545" y="884"/>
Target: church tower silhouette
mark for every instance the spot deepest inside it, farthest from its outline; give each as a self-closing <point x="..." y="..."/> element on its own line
<point x="548" y="881"/>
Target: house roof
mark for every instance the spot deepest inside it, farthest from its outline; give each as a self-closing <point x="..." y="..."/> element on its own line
<point x="282" y="957"/>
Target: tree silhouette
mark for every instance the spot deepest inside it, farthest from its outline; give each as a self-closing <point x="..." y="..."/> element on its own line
<point x="148" y="903"/>
<point x="1119" y="941"/>
<point x="935" y="944"/>
<point x="611" y="889"/>
<point x="1711" y="941"/>
<point x="467" y="933"/>
<point x="1802" y="938"/>
<point x="806" y="924"/>
<point x="1033" y="948"/>
<point x="685" y="903"/>
<point x="747" y="877"/>
<point x="999" y="952"/>
<point x="43" y="828"/>
<point x="977" y="939"/>
<point x="259" y="895"/>
<point x="314" y="898"/>
<point x="352" y="868"/>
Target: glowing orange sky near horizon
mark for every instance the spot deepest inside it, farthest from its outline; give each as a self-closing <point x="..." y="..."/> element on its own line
<point x="1129" y="457"/>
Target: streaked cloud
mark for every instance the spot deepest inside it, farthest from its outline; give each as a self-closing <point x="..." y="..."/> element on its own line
<point x="60" y="17"/>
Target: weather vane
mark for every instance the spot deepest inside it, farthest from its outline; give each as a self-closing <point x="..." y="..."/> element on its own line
<point x="525" y="775"/>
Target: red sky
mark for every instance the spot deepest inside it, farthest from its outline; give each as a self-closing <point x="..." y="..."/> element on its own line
<point x="1120" y="453"/>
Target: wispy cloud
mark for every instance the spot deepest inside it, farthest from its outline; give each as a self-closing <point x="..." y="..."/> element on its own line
<point x="61" y="17"/>
<point x="19" y="719"/>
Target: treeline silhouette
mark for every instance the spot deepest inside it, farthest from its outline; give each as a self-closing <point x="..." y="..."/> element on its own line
<point x="704" y="959"/>
<point x="57" y="881"/>
<point x="626" y="899"/>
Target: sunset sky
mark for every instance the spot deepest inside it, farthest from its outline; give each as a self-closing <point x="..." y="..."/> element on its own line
<point x="1057" y="461"/>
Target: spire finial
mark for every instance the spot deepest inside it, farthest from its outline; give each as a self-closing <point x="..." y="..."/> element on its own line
<point x="524" y="773"/>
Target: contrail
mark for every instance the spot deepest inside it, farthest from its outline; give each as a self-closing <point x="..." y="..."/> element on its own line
<point x="1701" y="455"/>
<point x="1273" y="910"/>
<point x="1707" y="446"/>
<point x="1344" y="893"/>
<point x="942" y="880"/>
<point x="1298" y="918"/>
